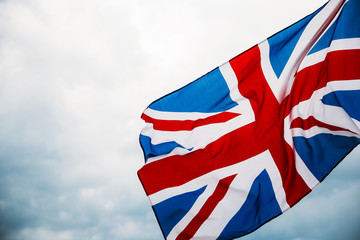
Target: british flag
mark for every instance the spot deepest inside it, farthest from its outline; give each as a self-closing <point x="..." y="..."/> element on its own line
<point x="248" y="140"/>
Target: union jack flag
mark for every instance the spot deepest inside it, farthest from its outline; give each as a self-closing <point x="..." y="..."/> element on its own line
<point x="248" y="140"/>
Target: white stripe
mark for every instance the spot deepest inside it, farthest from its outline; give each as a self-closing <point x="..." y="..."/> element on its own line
<point x="311" y="132"/>
<point x="176" y="151"/>
<point x="305" y="173"/>
<point x="287" y="131"/>
<point x="336" y="45"/>
<point x="199" y="137"/>
<point x="238" y="193"/>
<point x="181" y="225"/>
<point x="270" y="76"/>
<point x="310" y="35"/>
<point x="332" y="115"/>
<point x="162" y="115"/>
<point x="232" y="83"/>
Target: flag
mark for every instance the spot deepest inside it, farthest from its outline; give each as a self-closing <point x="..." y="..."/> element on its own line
<point x="248" y="140"/>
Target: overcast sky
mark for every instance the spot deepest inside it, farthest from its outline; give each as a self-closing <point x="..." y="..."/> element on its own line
<point x="75" y="77"/>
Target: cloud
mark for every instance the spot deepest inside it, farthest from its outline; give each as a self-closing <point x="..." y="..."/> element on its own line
<point x="74" y="79"/>
<point x="69" y="143"/>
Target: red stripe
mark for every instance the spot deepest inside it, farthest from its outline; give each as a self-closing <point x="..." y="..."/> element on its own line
<point x="188" y="125"/>
<point x="207" y="208"/>
<point x="311" y="122"/>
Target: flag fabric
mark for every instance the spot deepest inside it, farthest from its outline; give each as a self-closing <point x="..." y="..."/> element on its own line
<point x="248" y="140"/>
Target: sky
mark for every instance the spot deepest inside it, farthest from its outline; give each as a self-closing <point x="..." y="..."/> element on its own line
<point x="75" y="77"/>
